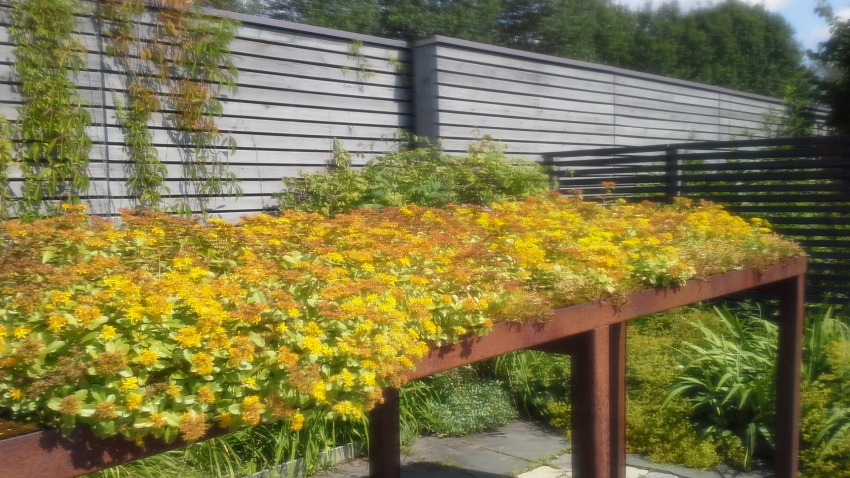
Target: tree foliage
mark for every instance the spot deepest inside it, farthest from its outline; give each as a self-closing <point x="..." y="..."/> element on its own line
<point x="731" y="44"/>
<point x="833" y="57"/>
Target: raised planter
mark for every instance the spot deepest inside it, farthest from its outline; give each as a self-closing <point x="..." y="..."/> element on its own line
<point x="593" y="333"/>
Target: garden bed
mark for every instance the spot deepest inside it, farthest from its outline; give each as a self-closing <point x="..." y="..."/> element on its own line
<point x="163" y="330"/>
<point x="48" y="453"/>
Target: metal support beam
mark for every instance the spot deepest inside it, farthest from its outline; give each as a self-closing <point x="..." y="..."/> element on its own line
<point x="593" y="333"/>
<point x="599" y="400"/>
<point x="384" y="438"/>
<point x="599" y="403"/>
<point x="617" y="388"/>
<point x="788" y="375"/>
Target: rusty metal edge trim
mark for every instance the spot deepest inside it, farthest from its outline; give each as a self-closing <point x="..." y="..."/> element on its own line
<point x="48" y="453"/>
<point x="508" y="336"/>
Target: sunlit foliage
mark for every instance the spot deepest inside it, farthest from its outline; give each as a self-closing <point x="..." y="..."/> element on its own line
<point x="165" y="327"/>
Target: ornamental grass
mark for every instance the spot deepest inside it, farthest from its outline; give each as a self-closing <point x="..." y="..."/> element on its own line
<point x="165" y="327"/>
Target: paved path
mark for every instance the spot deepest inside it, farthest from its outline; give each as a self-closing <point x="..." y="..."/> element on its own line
<point x="522" y="449"/>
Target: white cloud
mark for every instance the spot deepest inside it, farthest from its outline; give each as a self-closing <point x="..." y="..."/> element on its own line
<point x="843" y="14"/>
<point x="815" y="35"/>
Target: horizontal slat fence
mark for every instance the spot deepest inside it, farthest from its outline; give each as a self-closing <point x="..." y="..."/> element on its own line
<point x="536" y="103"/>
<point x="301" y="88"/>
<point x="800" y="186"/>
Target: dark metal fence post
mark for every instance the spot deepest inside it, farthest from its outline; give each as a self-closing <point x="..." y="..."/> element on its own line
<point x="788" y="375"/>
<point x="673" y="175"/>
<point x="552" y="171"/>
<point x="384" y="437"/>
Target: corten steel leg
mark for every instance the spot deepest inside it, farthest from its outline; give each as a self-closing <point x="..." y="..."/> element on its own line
<point x="384" y="443"/>
<point x="788" y="375"/>
<point x="617" y="354"/>
<point x="598" y="403"/>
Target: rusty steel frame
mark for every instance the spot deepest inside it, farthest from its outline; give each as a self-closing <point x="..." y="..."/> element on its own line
<point x="593" y="333"/>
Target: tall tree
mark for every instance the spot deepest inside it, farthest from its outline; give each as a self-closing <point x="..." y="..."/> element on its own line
<point x="361" y="16"/>
<point x="740" y="46"/>
<point x="590" y="30"/>
<point x="731" y="44"/>
<point x="477" y="20"/>
<point x="833" y="57"/>
<point x="248" y="7"/>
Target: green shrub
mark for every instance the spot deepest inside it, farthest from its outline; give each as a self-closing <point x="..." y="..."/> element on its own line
<point x="457" y="403"/>
<point x="730" y="382"/>
<point x="540" y="384"/>
<point x="826" y="398"/>
<point x="664" y="434"/>
<point x="740" y="342"/>
<point x="537" y="381"/>
<point x="423" y="176"/>
<point x="825" y="449"/>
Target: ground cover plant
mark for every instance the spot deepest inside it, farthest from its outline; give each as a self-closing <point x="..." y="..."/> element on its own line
<point x="456" y="403"/>
<point x="699" y="388"/>
<point x="165" y="327"/>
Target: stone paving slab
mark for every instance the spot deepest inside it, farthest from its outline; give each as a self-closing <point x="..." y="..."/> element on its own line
<point x="526" y="440"/>
<point x="721" y="471"/>
<point x="521" y="448"/>
<point x="475" y="460"/>
<point x="545" y="472"/>
<point x="498" y="453"/>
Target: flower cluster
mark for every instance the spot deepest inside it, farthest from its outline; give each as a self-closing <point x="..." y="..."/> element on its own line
<point x="165" y="327"/>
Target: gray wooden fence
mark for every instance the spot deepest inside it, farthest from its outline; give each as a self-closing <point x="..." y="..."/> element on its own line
<point x="300" y="87"/>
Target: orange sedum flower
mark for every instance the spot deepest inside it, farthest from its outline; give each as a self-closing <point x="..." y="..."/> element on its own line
<point x="275" y="318"/>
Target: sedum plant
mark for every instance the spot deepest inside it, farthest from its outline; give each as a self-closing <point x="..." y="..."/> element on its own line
<point x="164" y="327"/>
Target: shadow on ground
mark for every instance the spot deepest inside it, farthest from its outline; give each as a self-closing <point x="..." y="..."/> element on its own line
<point x="431" y="470"/>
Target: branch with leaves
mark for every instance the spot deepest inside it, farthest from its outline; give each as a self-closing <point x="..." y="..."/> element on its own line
<point x="177" y="66"/>
<point x="54" y="152"/>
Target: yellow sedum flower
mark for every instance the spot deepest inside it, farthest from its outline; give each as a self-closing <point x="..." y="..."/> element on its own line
<point x="129" y="384"/>
<point x="57" y="322"/>
<point x="148" y="358"/>
<point x="22" y="331"/>
<point x="319" y="391"/>
<point x="275" y="310"/>
<point x="296" y="422"/>
<point x="107" y="332"/>
<point x="133" y="401"/>
<point x="204" y="363"/>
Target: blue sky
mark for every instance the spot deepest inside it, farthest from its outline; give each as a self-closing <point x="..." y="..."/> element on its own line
<point x="810" y="28"/>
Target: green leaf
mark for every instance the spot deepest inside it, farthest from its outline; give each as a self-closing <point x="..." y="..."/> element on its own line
<point x="54" y="403"/>
<point x="48" y="254"/>
<point x="257" y="339"/>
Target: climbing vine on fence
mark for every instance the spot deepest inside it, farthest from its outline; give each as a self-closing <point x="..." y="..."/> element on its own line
<point x="176" y="66"/>
<point x="54" y="152"/>
<point x="135" y="108"/>
<point x="5" y="159"/>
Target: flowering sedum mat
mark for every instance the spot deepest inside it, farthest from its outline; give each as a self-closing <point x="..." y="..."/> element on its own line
<point x="164" y="327"/>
